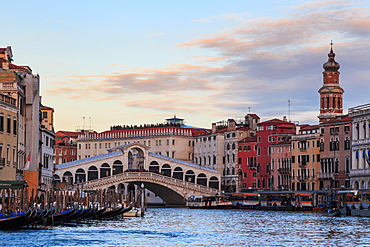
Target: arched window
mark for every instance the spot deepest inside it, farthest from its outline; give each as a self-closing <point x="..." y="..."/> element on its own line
<point x="333" y="102"/>
<point x="105" y="170"/>
<point x="92" y="173"/>
<point x="190" y="176"/>
<point x="117" y="167"/>
<point x="80" y="176"/>
<point x="178" y="173"/>
<point x="166" y="170"/>
<point x="154" y="167"/>
<point x="202" y="179"/>
<point x="67" y="178"/>
<point x="327" y="102"/>
<point x="214" y="183"/>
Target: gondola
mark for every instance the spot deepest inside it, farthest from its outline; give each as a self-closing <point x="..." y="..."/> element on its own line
<point x="114" y="212"/>
<point x="15" y="220"/>
<point x="58" y="217"/>
<point x="334" y="212"/>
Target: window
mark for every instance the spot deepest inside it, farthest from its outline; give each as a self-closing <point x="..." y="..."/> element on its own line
<point x="8" y="125"/>
<point x="260" y="128"/>
<point x="347" y="144"/>
<point x="1" y="122"/>
<point x="15" y="126"/>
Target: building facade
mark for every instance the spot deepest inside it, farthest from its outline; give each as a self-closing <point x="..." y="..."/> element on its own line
<point x="268" y="133"/>
<point x="280" y="169"/>
<point x="360" y="148"/>
<point x="335" y="153"/>
<point x="19" y="83"/>
<point x="306" y="158"/>
<point x="47" y="148"/>
<point x="247" y="161"/>
<point x="65" y="148"/>
<point x="172" y="139"/>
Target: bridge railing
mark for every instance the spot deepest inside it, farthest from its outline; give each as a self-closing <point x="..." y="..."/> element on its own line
<point x="148" y="176"/>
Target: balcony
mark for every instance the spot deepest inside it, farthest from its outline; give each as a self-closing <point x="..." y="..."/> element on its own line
<point x="326" y="175"/>
<point x="359" y="173"/>
<point x="252" y="166"/>
<point x="284" y="170"/>
<point x="302" y="164"/>
<point x="302" y="178"/>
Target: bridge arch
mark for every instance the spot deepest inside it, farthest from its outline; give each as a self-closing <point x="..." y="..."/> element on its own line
<point x="103" y="171"/>
<point x="135" y="159"/>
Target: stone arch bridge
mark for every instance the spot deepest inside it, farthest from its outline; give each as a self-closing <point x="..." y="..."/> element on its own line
<point x="124" y="168"/>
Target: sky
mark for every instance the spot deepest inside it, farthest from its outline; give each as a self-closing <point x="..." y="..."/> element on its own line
<point x="105" y="63"/>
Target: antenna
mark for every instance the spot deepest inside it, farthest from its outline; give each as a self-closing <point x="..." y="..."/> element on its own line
<point x="249" y="109"/>
<point x="84" y="123"/>
<point x="89" y="123"/>
<point x="289" y="110"/>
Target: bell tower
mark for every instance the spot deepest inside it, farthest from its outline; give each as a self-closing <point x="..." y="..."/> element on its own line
<point x="331" y="101"/>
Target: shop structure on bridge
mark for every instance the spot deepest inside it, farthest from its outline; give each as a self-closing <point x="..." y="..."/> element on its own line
<point x="125" y="167"/>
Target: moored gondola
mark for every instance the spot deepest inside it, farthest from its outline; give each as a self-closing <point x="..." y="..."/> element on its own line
<point x="15" y="220"/>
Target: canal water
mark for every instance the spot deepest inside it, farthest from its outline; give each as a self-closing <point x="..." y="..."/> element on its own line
<point x="201" y="227"/>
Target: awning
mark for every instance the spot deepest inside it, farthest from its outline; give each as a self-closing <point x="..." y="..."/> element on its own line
<point x="12" y="184"/>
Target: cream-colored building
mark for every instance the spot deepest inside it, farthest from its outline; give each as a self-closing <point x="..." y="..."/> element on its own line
<point x="19" y="83"/>
<point x="306" y="158"/>
<point x="172" y="139"/>
<point x="360" y="170"/>
<point x="219" y="149"/>
<point x="8" y="138"/>
<point x="47" y="147"/>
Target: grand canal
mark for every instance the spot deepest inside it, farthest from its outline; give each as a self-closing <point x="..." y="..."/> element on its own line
<point x="197" y="227"/>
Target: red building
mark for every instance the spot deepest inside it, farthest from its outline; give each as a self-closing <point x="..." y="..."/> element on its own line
<point x="247" y="155"/>
<point x="65" y="149"/>
<point x="266" y="136"/>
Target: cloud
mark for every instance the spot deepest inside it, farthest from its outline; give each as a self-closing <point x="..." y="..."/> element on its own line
<point x="258" y="65"/>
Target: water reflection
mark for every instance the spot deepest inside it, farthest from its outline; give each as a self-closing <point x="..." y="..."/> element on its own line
<point x="196" y="227"/>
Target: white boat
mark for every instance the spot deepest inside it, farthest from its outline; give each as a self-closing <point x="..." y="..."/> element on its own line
<point x="209" y="202"/>
<point x="134" y="212"/>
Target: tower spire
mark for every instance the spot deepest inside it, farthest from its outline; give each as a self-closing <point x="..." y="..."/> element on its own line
<point x="331" y="102"/>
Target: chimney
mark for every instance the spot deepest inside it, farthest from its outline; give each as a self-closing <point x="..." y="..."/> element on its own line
<point x="213" y="127"/>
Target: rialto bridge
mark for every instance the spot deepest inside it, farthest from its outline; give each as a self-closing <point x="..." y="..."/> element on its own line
<point x="127" y="167"/>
